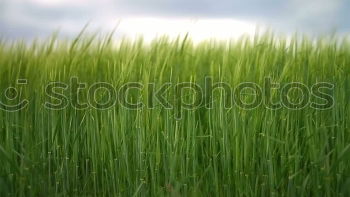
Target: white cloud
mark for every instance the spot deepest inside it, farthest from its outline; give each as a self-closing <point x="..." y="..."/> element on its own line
<point x="221" y="19"/>
<point x="199" y="30"/>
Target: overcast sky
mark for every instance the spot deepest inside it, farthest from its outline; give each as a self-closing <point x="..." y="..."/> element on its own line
<point x="225" y="18"/>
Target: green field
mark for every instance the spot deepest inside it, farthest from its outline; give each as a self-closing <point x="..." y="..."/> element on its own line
<point x="160" y="151"/>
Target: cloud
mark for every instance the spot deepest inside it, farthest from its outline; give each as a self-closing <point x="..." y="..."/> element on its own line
<point x="317" y="15"/>
<point x="30" y="17"/>
<point x="198" y="29"/>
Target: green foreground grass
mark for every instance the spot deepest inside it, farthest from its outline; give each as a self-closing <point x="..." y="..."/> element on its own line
<point x="148" y="152"/>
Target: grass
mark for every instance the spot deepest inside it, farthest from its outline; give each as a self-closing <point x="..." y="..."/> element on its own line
<point x="149" y="152"/>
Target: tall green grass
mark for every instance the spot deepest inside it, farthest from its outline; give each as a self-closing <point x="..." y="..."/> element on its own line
<point x="149" y="152"/>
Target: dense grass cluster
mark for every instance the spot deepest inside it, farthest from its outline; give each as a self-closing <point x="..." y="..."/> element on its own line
<point x="149" y="152"/>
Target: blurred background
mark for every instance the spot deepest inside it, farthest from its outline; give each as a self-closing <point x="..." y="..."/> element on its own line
<point x="202" y="19"/>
